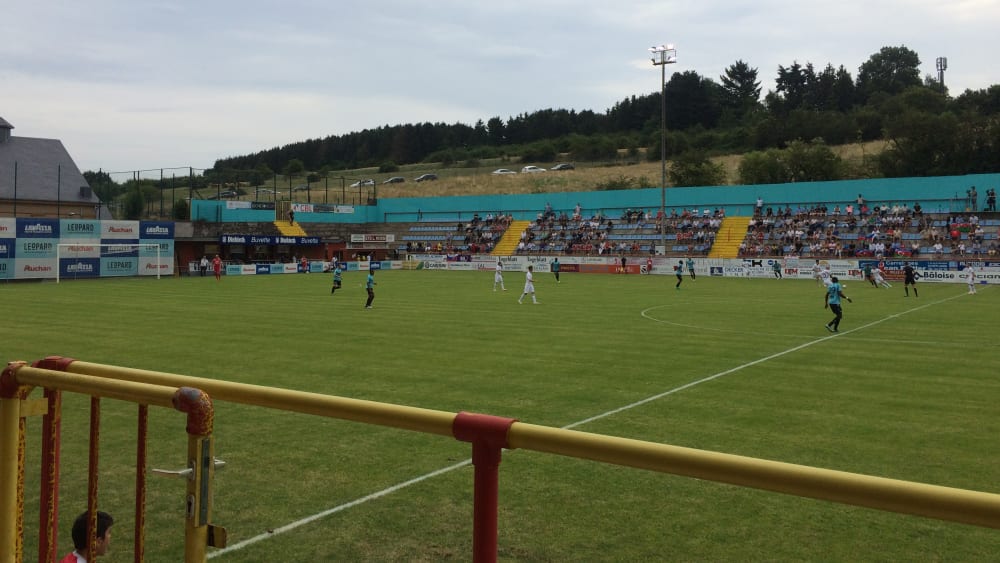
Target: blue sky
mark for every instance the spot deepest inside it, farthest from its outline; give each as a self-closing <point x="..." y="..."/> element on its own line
<point x="139" y="84"/>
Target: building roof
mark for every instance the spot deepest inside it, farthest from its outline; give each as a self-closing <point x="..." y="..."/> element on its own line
<point x="45" y="171"/>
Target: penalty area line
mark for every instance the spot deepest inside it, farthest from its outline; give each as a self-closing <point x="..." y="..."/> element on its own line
<point x="399" y="486"/>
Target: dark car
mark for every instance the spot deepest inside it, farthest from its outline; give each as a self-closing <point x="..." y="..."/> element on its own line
<point x="425" y="177"/>
<point x="563" y="166"/>
<point x="395" y="180"/>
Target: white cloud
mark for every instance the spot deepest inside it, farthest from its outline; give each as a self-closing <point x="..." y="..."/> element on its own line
<point x="129" y="85"/>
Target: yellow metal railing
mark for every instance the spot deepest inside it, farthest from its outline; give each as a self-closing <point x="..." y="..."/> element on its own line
<point x="945" y="503"/>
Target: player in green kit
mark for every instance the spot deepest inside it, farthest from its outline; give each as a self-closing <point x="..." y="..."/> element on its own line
<point x="337" y="280"/>
<point x="834" y="293"/>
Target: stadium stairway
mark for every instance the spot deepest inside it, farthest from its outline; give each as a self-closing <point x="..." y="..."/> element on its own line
<point x="731" y="233"/>
<point x="293" y="230"/>
<point x="508" y="244"/>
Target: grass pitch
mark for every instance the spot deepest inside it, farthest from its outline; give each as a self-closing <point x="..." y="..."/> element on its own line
<point x="908" y="390"/>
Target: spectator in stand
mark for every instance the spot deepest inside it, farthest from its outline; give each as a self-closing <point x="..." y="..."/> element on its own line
<point x="991" y="200"/>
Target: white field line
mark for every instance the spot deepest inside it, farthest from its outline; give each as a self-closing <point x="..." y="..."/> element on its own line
<point x="292" y="525"/>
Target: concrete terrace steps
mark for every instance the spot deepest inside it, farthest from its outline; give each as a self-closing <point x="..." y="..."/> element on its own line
<point x="508" y="244"/>
<point x="730" y="235"/>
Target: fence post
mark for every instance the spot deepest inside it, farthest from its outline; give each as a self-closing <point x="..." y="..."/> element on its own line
<point x="488" y="435"/>
<point x="11" y="468"/>
<point x="198" y="532"/>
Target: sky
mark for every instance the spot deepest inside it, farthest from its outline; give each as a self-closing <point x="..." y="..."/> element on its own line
<point x="143" y="85"/>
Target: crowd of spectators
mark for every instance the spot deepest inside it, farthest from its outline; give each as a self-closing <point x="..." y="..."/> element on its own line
<point x="631" y="233"/>
<point x="480" y="236"/>
<point x="883" y="231"/>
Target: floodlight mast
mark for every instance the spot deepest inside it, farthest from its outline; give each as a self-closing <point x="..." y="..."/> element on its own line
<point x="663" y="55"/>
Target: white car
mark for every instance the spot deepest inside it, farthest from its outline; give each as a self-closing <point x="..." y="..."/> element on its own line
<point x="359" y="183"/>
<point x="531" y="169"/>
<point x="502" y="171"/>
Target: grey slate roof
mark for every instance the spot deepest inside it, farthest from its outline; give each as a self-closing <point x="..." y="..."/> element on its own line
<point x="45" y="171"/>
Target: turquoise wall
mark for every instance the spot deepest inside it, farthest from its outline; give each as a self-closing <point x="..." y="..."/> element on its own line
<point x="941" y="194"/>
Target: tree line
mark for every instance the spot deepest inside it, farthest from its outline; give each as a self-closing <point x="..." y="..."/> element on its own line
<point x="784" y="135"/>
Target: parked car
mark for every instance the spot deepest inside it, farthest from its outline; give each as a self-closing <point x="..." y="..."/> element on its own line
<point x="425" y="177"/>
<point x="502" y="171"/>
<point x="531" y="169"/>
<point x="360" y="183"/>
<point x="224" y="195"/>
<point x="394" y="180"/>
<point x="563" y="166"/>
<point x="301" y="189"/>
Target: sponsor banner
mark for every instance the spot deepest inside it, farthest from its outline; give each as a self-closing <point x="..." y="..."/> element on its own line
<point x="119" y="250"/>
<point x="8" y="227"/>
<point x="263" y="269"/>
<point x="8" y="248"/>
<point x="35" y="268"/>
<point x="302" y="207"/>
<point x="373" y="237"/>
<point x="119" y="266"/>
<point x="233" y="269"/>
<point x="267" y="239"/>
<point x="148" y="248"/>
<point x="569" y="267"/>
<point x="38" y="228"/>
<point x="36" y="248"/>
<point x="461" y="266"/>
<point x="435" y="265"/>
<point x="261" y="205"/>
<point x="234" y="239"/>
<point x="289" y="268"/>
<point x="81" y="249"/>
<point x="81" y="229"/>
<point x="978" y="264"/>
<point x="331" y="208"/>
<point x="237" y="204"/>
<point x="6" y="269"/>
<point x="316" y="267"/>
<point x="115" y="231"/>
<point x="79" y="267"/>
<point x="276" y="268"/>
<point x="595" y="268"/>
<point x="156" y="230"/>
<point x="148" y="266"/>
<point x="246" y="269"/>
<point x="374" y="265"/>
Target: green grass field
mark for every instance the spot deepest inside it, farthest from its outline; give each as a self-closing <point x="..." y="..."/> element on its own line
<point x="908" y="390"/>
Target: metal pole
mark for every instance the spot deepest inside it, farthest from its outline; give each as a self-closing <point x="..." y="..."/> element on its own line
<point x="663" y="156"/>
<point x="662" y="55"/>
